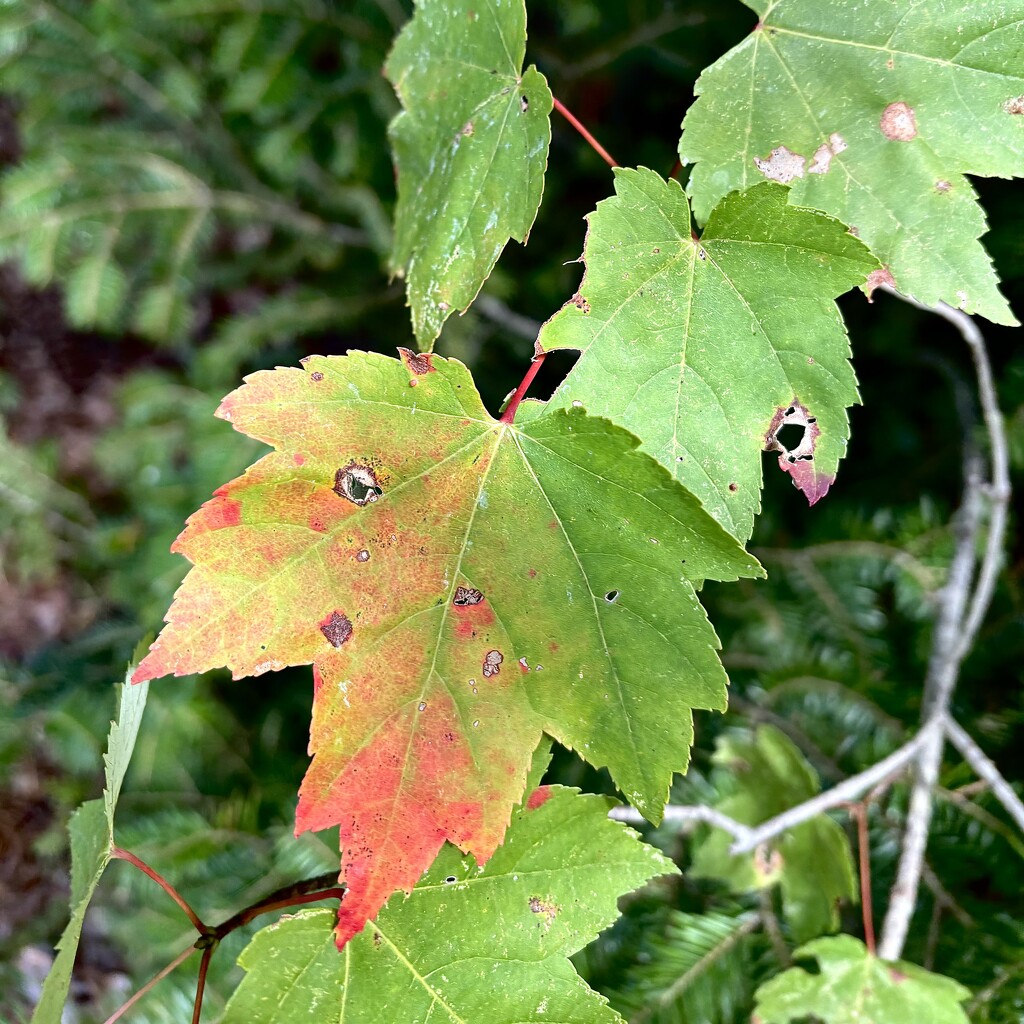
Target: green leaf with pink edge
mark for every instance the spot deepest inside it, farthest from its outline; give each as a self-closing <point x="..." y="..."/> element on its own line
<point x="461" y="586"/>
<point x="705" y="347"/>
<point x="852" y="986"/>
<point x="470" y="150"/>
<point x="486" y="944"/>
<point x="874" y="113"/>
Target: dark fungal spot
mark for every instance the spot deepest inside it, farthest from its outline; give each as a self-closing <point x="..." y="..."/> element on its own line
<point x="466" y="596"/>
<point x="357" y="484"/>
<point x="337" y="627"/>
<point x="418" y="363"/>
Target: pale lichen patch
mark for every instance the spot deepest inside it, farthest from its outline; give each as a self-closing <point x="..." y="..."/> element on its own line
<point x="781" y="165"/>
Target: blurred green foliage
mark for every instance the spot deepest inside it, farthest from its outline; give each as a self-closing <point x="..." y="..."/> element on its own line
<point x="199" y="188"/>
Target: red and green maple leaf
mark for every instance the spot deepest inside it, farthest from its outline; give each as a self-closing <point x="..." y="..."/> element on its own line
<point x="460" y="585"/>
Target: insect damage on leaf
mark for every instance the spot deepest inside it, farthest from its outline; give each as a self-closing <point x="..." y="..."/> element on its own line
<point x="796" y="452"/>
<point x="409" y="748"/>
<point x="913" y="102"/>
<point x="357" y="483"/>
<point x="694" y="343"/>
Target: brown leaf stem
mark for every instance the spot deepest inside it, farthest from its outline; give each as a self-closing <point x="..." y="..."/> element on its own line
<point x="581" y="128"/>
<point x="513" y="404"/>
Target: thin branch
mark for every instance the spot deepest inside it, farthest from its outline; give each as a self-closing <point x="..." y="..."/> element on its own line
<point x="499" y="312"/>
<point x="679" y="814"/>
<point x="307" y="891"/>
<point x="985" y="769"/>
<point x="770" y="923"/>
<point x="749" y="837"/>
<point x="125" y="1007"/>
<point x="126" y="855"/>
<point x="844" y="792"/>
<point x="581" y="128"/>
<point x="998" y="490"/>
<point x="962" y="609"/>
<point x="860" y="816"/>
<point x="204" y="967"/>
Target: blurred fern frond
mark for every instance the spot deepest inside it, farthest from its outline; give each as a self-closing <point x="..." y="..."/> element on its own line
<point x="700" y="967"/>
<point x="163" y="142"/>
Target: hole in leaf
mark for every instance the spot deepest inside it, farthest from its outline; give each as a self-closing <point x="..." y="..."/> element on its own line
<point x="466" y="596"/>
<point x="612" y="596"/>
<point x="357" y="484"/>
<point x="791" y="436"/>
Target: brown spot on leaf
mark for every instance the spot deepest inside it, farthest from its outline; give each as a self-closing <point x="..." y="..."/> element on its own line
<point x="466" y="596"/>
<point x="781" y="165"/>
<point x="897" y="976"/>
<point x="580" y="303"/>
<point x="363" y="555"/>
<point x="316" y="375"/>
<point x="532" y="573"/>
<point x="767" y="861"/>
<point x="357" y="484"/>
<point x="876" y="279"/>
<point x="492" y="663"/>
<point x="798" y="459"/>
<point x="467" y="129"/>
<point x="337" y="627"/>
<point x="733" y="487"/>
<point x="546" y="907"/>
<point x="418" y="363"/>
<point x="898" y="122"/>
<point x="1014" y="105"/>
<point x="942" y="185"/>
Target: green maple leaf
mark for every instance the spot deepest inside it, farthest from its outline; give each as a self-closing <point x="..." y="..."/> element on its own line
<point x="92" y="839"/>
<point x="470" y="148"/>
<point x="874" y="112"/>
<point x="811" y="863"/>
<point x="704" y="347"/>
<point x="854" y="987"/>
<point x="460" y="585"/>
<point x="471" y="943"/>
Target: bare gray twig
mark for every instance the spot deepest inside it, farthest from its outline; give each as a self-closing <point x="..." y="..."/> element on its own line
<point x="501" y="314"/>
<point x="749" y="837"/>
<point x="962" y="608"/>
<point x="985" y="769"/>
